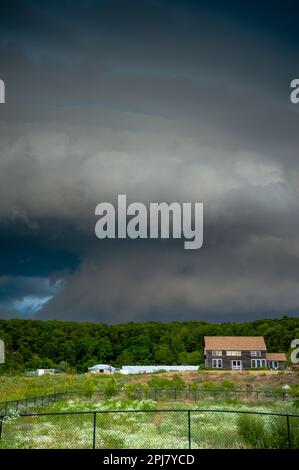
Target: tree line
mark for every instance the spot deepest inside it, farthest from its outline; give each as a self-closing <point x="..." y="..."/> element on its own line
<point x="74" y="346"/>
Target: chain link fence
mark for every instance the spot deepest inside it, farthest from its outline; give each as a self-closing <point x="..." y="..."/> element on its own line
<point x="8" y="407"/>
<point x="150" y="429"/>
<point x="194" y="395"/>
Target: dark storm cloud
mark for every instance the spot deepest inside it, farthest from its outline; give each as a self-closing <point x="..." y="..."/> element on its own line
<point x="25" y="296"/>
<point x="143" y="282"/>
<point x="19" y="287"/>
<point x="37" y="251"/>
<point x="174" y="101"/>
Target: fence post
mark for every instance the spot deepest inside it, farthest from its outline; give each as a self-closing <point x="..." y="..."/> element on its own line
<point x="289" y="432"/>
<point x="94" y="430"/>
<point x="6" y="407"/>
<point x="189" y="429"/>
<point x="1" y="419"/>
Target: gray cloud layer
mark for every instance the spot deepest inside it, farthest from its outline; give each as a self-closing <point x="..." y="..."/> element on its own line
<point x="187" y="106"/>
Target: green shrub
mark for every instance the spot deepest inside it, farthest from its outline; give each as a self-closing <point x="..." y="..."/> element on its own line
<point x="178" y="382"/>
<point x="227" y="384"/>
<point x="113" y="441"/>
<point x="252" y="430"/>
<point x="135" y="390"/>
<point x="161" y="382"/>
<point x="294" y="391"/>
<point x="208" y="385"/>
<point x="268" y="432"/>
<point x="111" y="388"/>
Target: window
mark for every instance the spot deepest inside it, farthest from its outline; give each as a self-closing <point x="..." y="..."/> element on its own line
<point x="256" y="353"/>
<point x="233" y="353"/>
<point x="216" y="353"/>
<point x="217" y="363"/>
<point x="236" y="364"/>
<point x="273" y="364"/>
<point x="256" y="363"/>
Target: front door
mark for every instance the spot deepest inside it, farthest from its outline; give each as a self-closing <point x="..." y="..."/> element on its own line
<point x="236" y="364"/>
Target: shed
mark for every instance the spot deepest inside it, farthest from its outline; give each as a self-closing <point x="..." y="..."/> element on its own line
<point x="101" y="369"/>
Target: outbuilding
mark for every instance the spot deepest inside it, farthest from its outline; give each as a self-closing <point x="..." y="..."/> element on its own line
<point x="151" y="369"/>
<point x="101" y="369"/>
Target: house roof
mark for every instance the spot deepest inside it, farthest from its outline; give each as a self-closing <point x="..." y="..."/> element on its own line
<point x="155" y="368"/>
<point x="235" y="343"/>
<point x="276" y="357"/>
<point x="101" y="366"/>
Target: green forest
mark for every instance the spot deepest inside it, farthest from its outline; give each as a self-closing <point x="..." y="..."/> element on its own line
<point x="73" y="347"/>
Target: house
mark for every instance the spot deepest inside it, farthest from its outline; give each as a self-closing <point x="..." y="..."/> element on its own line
<point x="276" y="361"/>
<point x="240" y="352"/>
<point x="101" y="369"/>
<point x="151" y="369"/>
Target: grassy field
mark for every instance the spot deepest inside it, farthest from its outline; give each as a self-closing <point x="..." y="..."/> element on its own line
<point x="148" y="428"/>
<point x="19" y="387"/>
<point x="144" y="429"/>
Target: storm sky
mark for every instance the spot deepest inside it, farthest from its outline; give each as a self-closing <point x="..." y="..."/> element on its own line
<point x="162" y="101"/>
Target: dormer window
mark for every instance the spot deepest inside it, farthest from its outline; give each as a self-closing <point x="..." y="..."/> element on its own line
<point x="256" y="353"/>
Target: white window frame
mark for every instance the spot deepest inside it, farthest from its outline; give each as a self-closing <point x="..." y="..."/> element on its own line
<point x="216" y="352"/>
<point x="217" y="364"/>
<point x="234" y="353"/>
<point x="237" y="367"/>
<point x="258" y="363"/>
<point x="256" y="353"/>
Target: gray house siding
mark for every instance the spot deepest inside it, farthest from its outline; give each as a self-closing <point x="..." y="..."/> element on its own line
<point x="245" y="357"/>
<point x="281" y="365"/>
